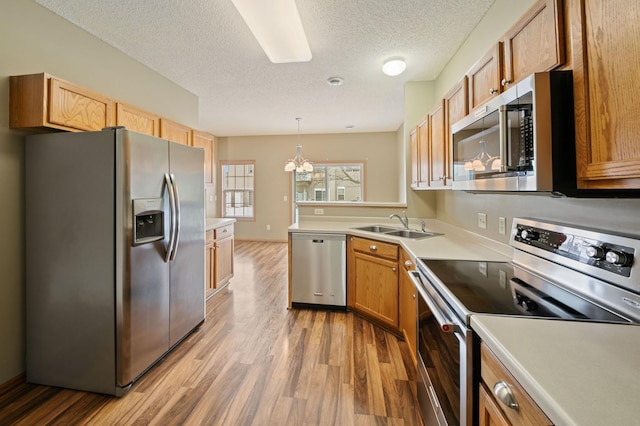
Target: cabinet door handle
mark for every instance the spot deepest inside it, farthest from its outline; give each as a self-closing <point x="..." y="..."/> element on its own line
<point x="393" y="269"/>
<point x="492" y="91"/>
<point x="373" y="247"/>
<point x="505" y="82"/>
<point x="503" y="392"/>
<point x="408" y="264"/>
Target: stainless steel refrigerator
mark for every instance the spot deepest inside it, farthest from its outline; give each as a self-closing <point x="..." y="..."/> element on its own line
<point x="114" y="255"/>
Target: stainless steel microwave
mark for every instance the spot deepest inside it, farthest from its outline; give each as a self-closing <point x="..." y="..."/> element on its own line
<point x="521" y="140"/>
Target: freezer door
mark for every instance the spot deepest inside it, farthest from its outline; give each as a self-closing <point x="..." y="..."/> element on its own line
<point x="187" y="301"/>
<point x="142" y="275"/>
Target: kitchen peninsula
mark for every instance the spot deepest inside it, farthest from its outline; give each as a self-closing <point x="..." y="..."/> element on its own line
<point x="582" y="373"/>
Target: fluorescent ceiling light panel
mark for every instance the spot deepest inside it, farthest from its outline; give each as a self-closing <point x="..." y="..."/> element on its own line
<point x="277" y="27"/>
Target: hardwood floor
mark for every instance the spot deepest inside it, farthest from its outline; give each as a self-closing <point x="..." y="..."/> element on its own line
<point x="252" y="362"/>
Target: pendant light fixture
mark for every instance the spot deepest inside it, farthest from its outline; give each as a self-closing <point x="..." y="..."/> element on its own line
<point x="298" y="163"/>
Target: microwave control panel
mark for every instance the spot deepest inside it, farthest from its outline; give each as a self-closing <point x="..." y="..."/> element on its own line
<point x="592" y="250"/>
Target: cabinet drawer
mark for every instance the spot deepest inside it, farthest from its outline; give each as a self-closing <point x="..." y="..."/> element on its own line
<point x="222" y="232"/>
<point x="493" y="372"/>
<point x="209" y="237"/>
<point x="375" y="248"/>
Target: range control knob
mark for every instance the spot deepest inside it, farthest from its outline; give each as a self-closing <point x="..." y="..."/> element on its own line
<point x="617" y="257"/>
<point x="529" y="235"/>
<point x="595" y="252"/>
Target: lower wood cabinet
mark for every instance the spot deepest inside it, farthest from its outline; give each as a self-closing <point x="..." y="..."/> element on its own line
<point x="494" y="410"/>
<point x="373" y="280"/>
<point x="408" y="308"/>
<point x="218" y="259"/>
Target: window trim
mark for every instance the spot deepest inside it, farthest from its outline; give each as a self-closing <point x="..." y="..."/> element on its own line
<point x="361" y="163"/>
<point x="222" y="189"/>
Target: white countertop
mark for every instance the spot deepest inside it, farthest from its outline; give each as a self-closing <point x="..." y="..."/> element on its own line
<point x="579" y="373"/>
<point x="455" y="243"/>
<point x="217" y="222"/>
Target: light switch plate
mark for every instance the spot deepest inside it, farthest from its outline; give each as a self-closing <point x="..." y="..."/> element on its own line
<point x="502" y="225"/>
<point x="482" y="220"/>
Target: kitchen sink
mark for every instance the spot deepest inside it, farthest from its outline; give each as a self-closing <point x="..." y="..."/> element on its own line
<point x="397" y="232"/>
<point x="410" y="233"/>
<point x="380" y="229"/>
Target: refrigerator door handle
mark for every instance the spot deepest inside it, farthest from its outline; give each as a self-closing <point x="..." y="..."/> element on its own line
<point x="177" y="216"/>
<point x="172" y="216"/>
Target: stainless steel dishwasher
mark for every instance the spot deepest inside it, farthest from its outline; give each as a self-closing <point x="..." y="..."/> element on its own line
<point x="318" y="269"/>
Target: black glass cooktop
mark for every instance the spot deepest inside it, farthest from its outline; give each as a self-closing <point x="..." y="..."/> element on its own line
<point x="504" y="288"/>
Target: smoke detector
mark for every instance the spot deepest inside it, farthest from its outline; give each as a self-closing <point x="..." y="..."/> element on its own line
<point x="335" y="81"/>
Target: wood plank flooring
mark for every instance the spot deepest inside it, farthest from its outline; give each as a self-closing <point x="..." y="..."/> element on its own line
<point x="252" y="362"/>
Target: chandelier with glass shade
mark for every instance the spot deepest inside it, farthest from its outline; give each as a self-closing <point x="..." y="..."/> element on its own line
<point x="298" y="163"/>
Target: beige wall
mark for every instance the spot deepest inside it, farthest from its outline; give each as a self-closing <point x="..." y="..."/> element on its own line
<point x="461" y="208"/>
<point x="34" y="40"/>
<point x="379" y="151"/>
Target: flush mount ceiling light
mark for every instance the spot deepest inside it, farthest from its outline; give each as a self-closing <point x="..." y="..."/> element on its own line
<point x="393" y="67"/>
<point x="298" y="163"/>
<point x="277" y="27"/>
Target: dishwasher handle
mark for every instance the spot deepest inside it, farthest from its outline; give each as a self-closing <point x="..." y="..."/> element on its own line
<point x="317" y="241"/>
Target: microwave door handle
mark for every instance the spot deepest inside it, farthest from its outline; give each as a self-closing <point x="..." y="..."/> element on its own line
<point x="177" y="214"/>
<point x="172" y="217"/>
<point x="504" y="136"/>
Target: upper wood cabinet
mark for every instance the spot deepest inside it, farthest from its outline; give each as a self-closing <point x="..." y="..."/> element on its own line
<point x="423" y="153"/>
<point x="207" y="142"/>
<point x="419" y="146"/>
<point x="485" y="77"/>
<point x="414" y="158"/>
<point x="456" y="107"/>
<point x="437" y="147"/>
<point x="175" y="132"/>
<point x="40" y="100"/>
<point x="137" y="120"/>
<point x="535" y="43"/>
<point x="606" y="55"/>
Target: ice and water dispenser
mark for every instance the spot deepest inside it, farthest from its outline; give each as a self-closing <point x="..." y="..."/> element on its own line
<point x="148" y="220"/>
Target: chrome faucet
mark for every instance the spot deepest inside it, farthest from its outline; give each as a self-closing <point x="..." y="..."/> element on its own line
<point x="403" y="219"/>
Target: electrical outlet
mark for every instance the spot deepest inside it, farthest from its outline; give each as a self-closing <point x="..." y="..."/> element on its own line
<point x="502" y="225"/>
<point x="268" y="227"/>
<point x="318" y="211"/>
<point x="285" y="198"/>
<point x="482" y="220"/>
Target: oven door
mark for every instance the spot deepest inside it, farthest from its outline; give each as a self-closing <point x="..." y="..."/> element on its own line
<point x="445" y="362"/>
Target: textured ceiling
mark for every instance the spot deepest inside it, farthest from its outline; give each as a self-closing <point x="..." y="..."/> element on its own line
<point x="205" y="47"/>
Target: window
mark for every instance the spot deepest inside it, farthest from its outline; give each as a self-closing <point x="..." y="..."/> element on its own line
<point x="238" y="189"/>
<point x="330" y="182"/>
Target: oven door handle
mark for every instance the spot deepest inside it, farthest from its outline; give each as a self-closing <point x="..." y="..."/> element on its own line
<point x="445" y="325"/>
